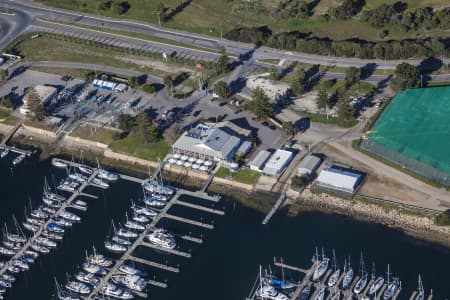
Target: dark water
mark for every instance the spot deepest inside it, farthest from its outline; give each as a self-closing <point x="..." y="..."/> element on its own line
<point x="225" y="266"/>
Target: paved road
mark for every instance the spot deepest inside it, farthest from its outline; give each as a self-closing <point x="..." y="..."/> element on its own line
<point x="35" y="11"/>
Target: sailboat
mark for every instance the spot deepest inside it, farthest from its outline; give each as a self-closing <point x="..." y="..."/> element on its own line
<point x="348" y="276"/>
<point x="281" y="284"/>
<point x="420" y="291"/>
<point x="377" y="283"/>
<point x="105" y="174"/>
<point x="267" y="291"/>
<point x="362" y="282"/>
<point x="63" y="294"/>
<point x="392" y="287"/>
<point x="321" y="268"/>
<point x="336" y="273"/>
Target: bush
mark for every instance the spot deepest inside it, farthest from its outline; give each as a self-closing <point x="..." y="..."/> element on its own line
<point x="443" y="219"/>
<point x="148" y="88"/>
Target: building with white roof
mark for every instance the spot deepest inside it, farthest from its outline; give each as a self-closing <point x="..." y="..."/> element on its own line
<point x="308" y="165"/>
<point x="278" y="162"/>
<point x="339" y="179"/>
<point x="257" y="164"/>
<point x="208" y="142"/>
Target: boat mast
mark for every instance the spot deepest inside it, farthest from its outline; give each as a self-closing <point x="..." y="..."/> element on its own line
<point x="388" y="275"/>
<point x="334" y="261"/>
<point x="373" y="270"/>
<point x="282" y="269"/>
<point x="260" y="282"/>
<point x="421" y="291"/>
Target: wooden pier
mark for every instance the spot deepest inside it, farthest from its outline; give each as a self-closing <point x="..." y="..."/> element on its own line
<point x="200" y="207"/>
<point x="189" y="221"/>
<point x="153" y="264"/>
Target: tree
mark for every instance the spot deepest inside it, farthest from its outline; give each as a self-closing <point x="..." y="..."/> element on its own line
<point x="274" y="74"/>
<point x="4" y="74"/>
<point x="289" y="128"/>
<point x="168" y="82"/>
<point x="7" y="101"/>
<point x="345" y="111"/>
<point x="121" y="7"/>
<point x="145" y="129"/>
<point x="352" y="76"/>
<point x="322" y="99"/>
<point x="161" y="13"/>
<point x="126" y="122"/>
<point x="148" y="88"/>
<point x="260" y="104"/>
<point x="133" y="81"/>
<point x="104" y="5"/>
<point x="299" y="82"/>
<point x="222" y="89"/>
<point x="406" y="76"/>
<point x="222" y="65"/>
<point x="34" y="103"/>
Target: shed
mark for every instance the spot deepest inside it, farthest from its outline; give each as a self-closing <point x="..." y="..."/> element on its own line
<point x="258" y="162"/>
<point x="339" y="179"/>
<point x="244" y="148"/>
<point x="308" y="165"/>
<point x="278" y="162"/>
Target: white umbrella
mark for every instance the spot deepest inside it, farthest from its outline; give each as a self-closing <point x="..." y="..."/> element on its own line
<point x="187" y="164"/>
<point x="176" y="156"/>
<point x="195" y="166"/>
<point x="172" y="161"/>
<point x="192" y="159"/>
<point x="208" y="163"/>
<point x="203" y="168"/>
<point x="184" y="157"/>
<point x="179" y="162"/>
<point x="199" y="161"/>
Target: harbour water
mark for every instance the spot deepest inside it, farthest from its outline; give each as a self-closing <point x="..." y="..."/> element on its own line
<point x="224" y="267"/>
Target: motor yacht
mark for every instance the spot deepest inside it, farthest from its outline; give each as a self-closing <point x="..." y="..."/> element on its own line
<point x="162" y="238"/>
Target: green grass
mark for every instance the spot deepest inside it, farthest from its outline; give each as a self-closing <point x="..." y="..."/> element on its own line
<point x="437" y="83"/>
<point x="361" y="88"/>
<point x="101" y="135"/>
<point x="132" y="145"/>
<point x="7" y="118"/>
<point x="415" y="124"/>
<point x="246" y="176"/>
<point x="212" y="17"/>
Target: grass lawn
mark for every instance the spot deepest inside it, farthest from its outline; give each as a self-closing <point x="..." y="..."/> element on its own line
<point x="7" y="118"/>
<point x="361" y="88"/>
<point x="77" y="73"/>
<point x="101" y="135"/>
<point x="246" y="176"/>
<point x="132" y="145"/>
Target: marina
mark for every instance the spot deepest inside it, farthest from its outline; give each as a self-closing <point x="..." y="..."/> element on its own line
<point x="328" y="283"/>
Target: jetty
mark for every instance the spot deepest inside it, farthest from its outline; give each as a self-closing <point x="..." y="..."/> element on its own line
<point x="306" y="275"/>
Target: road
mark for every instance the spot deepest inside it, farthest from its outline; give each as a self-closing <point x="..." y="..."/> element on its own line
<point x="27" y="13"/>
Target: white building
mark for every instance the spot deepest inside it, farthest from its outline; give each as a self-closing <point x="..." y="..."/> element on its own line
<point x="207" y="142"/>
<point x="278" y="162"/>
<point x="308" y="165"/>
<point x="257" y="164"/>
<point x="339" y="179"/>
<point x="45" y="94"/>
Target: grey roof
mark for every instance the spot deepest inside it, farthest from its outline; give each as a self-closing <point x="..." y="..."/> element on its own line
<point x="216" y="142"/>
<point x="339" y="179"/>
<point x="245" y="147"/>
<point x="260" y="159"/>
<point x="310" y="162"/>
<point x="277" y="162"/>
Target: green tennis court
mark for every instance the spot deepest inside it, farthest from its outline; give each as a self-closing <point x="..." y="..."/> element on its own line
<point x="417" y="124"/>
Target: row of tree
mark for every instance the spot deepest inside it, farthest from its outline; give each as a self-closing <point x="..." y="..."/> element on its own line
<point x="295" y="40"/>
<point x="140" y="125"/>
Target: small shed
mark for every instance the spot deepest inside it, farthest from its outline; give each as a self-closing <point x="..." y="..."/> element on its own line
<point x="308" y="165"/>
<point x="278" y="162"/>
<point x="258" y="162"/>
<point x="244" y="148"/>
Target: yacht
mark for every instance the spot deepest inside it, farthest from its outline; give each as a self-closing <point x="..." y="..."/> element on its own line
<point x="140" y="218"/>
<point x="111" y="290"/>
<point x="101" y="260"/>
<point x="78" y="287"/>
<point x="52" y="203"/>
<point x="19" y="159"/>
<point x="348" y="277"/>
<point x="78" y="177"/>
<point x="28" y="259"/>
<point x="70" y="216"/>
<point x="31" y="253"/>
<point x="8" y="277"/>
<point x="6" y="284"/>
<point x="30" y="227"/>
<point x="40" y="249"/>
<point x="420" y="291"/>
<point x="141" y="210"/>
<point x="52" y="235"/>
<point x="46" y="242"/>
<point x="52" y="227"/>
<point x="85" y="169"/>
<point x="360" y="284"/>
<point x="321" y="269"/>
<point x="125" y="233"/>
<point x="88" y="278"/>
<point x="94" y="269"/>
<point x="13" y="270"/>
<point x="376" y="285"/>
<point x="133" y="282"/>
<point x="80" y="205"/>
<point x="12" y="245"/>
<point x="391" y="289"/>
<point x="101" y="183"/>
<point x="320" y="294"/>
<point x="160" y="197"/>
<point x="134" y="226"/>
<point x="334" y="278"/>
<point x="20" y="264"/>
<point x="150" y="201"/>
<point x="162" y="238"/>
<point x="304" y="294"/>
<point x="267" y="291"/>
<point x="107" y="175"/>
<point x="7" y="252"/>
<point x="59" y="163"/>
<point x="48" y="209"/>
<point x="16" y="238"/>
<point x="115" y="247"/>
<point x="61" y="221"/>
<point x="39" y="214"/>
<point x="120" y="241"/>
<point x="153" y="186"/>
<point x="5" y="151"/>
<point x="132" y="270"/>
